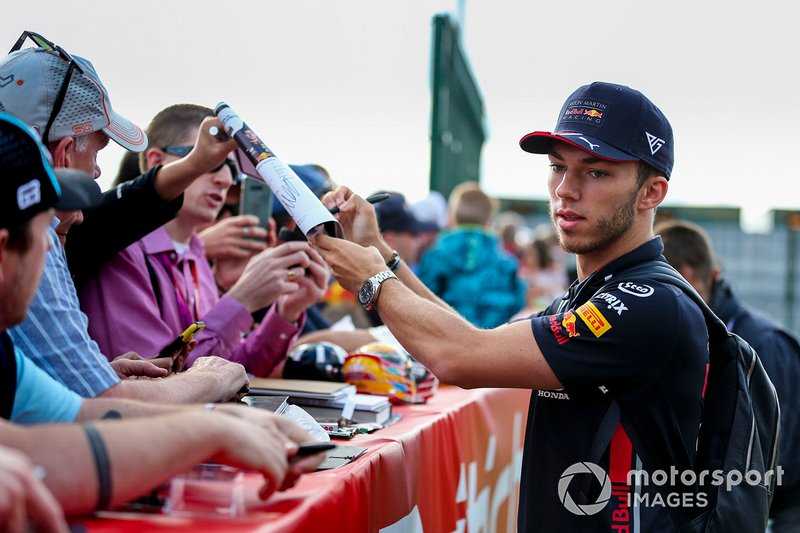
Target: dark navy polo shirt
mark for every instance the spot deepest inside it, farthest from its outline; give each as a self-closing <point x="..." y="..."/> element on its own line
<point x="640" y="342"/>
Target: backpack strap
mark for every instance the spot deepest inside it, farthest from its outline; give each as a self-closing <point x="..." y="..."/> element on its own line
<point x="605" y="432"/>
<point x="603" y="438"/>
<point x="611" y="436"/>
<point x="661" y="271"/>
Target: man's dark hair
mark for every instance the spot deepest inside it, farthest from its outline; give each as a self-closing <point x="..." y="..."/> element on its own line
<point x="170" y="126"/>
<point x="20" y="236"/>
<point x="687" y="244"/>
<point x="645" y="172"/>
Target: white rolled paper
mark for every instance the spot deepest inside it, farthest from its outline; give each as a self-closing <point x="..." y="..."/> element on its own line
<point x="302" y="205"/>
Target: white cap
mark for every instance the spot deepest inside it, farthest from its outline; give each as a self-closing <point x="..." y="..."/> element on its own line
<point x="432" y="208"/>
<point x="29" y="83"/>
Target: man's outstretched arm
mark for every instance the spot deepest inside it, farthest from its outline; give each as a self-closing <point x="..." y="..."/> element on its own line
<point x="453" y="349"/>
<point x="210" y="379"/>
<point x="146" y="452"/>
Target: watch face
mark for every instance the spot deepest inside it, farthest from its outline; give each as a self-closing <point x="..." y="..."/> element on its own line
<point x="365" y="293"/>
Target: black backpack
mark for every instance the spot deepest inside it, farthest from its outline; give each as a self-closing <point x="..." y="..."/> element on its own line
<point x="740" y="425"/>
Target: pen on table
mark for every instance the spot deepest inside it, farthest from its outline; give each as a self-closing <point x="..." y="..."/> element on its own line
<point x="374" y="199"/>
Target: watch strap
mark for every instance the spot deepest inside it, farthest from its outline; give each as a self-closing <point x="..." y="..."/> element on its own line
<point x="394" y="262"/>
<point x="382" y="276"/>
<point x="377" y="280"/>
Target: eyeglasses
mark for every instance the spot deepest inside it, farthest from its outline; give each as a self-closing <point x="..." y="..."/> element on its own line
<point x="183" y="151"/>
<point x="72" y="66"/>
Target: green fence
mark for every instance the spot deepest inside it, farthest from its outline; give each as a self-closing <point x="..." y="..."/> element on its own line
<point x="457" y="122"/>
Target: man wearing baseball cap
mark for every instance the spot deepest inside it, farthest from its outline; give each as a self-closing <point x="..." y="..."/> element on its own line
<point x="640" y="343"/>
<point x="400" y="227"/>
<point x="62" y="98"/>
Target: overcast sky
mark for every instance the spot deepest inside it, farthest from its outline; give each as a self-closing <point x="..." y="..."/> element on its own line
<point x="346" y="84"/>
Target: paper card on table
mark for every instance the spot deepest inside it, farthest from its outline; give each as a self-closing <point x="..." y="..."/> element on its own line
<point x="349" y="407"/>
<point x="341" y="456"/>
<point x="275" y="404"/>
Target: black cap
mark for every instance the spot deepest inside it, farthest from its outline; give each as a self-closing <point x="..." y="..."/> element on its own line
<point x="28" y="183"/>
<point x="612" y="122"/>
<point x="394" y="214"/>
<point x="78" y="190"/>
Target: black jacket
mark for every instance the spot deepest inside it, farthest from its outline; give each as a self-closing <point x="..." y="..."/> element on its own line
<point x="128" y="212"/>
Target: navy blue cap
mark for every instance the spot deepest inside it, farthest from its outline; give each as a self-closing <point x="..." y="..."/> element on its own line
<point x="28" y="182"/>
<point x="612" y="122"/>
<point x="313" y="179"/>
<point x="395" y="214"/>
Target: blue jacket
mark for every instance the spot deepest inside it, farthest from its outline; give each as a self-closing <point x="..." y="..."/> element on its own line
<point x="779" y="352"/>
<point x="467" y="268"/>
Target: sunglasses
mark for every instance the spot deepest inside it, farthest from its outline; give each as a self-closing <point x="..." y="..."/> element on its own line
<point x="183" y="151"/>
<point x="72" y="66"/>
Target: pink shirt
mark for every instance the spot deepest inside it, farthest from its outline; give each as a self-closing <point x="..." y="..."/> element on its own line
<point x="136" y="304"/>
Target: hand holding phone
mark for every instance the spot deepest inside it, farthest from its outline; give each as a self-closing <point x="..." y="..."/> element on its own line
<point x="255" y="198"/>
<point x="175" y="348"/>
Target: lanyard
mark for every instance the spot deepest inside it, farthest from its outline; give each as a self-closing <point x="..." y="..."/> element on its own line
<point x="185" y="312"/>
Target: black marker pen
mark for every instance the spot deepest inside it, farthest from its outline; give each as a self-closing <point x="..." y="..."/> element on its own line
<point x="374" y="199"/>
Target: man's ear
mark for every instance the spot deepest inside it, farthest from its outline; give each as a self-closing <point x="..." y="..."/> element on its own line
<point x="716" y="272"/>
<point x="58" y="150"/>
<point x="653" y="192"/>
<point x="153" y="157"/>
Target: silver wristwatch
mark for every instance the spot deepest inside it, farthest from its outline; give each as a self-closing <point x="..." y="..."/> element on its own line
<point x="368" y="294"/>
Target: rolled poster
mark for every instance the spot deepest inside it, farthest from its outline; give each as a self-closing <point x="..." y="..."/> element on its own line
<point x="304" y="207"/>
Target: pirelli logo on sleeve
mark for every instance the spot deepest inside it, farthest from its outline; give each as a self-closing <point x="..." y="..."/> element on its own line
<point x="594" y="319"/>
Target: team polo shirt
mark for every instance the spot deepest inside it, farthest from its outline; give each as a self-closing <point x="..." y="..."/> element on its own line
<point x="642" y="343"/>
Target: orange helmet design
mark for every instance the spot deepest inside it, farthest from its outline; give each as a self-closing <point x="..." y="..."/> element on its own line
<point x="383" y="369"/>
<point x="380" y="369"/>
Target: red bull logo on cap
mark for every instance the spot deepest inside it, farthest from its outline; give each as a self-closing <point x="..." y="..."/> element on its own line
<point x="583" y="111"/>
<point x="569" y="324"/>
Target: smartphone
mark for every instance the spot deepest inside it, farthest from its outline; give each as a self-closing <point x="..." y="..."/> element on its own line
<point x="172" y="349"/>
<point x="256" y="199"/>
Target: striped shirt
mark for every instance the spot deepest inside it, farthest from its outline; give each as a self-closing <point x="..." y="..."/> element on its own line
<point x="55" y="332"/>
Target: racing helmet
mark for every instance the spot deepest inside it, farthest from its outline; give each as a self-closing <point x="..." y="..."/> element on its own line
<point x="320" y="361"/>
<point x="382" y="369"/>
<point x="426" y="382"/>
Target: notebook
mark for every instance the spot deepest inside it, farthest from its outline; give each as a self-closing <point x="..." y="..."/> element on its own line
<point x="300" y="388"/>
